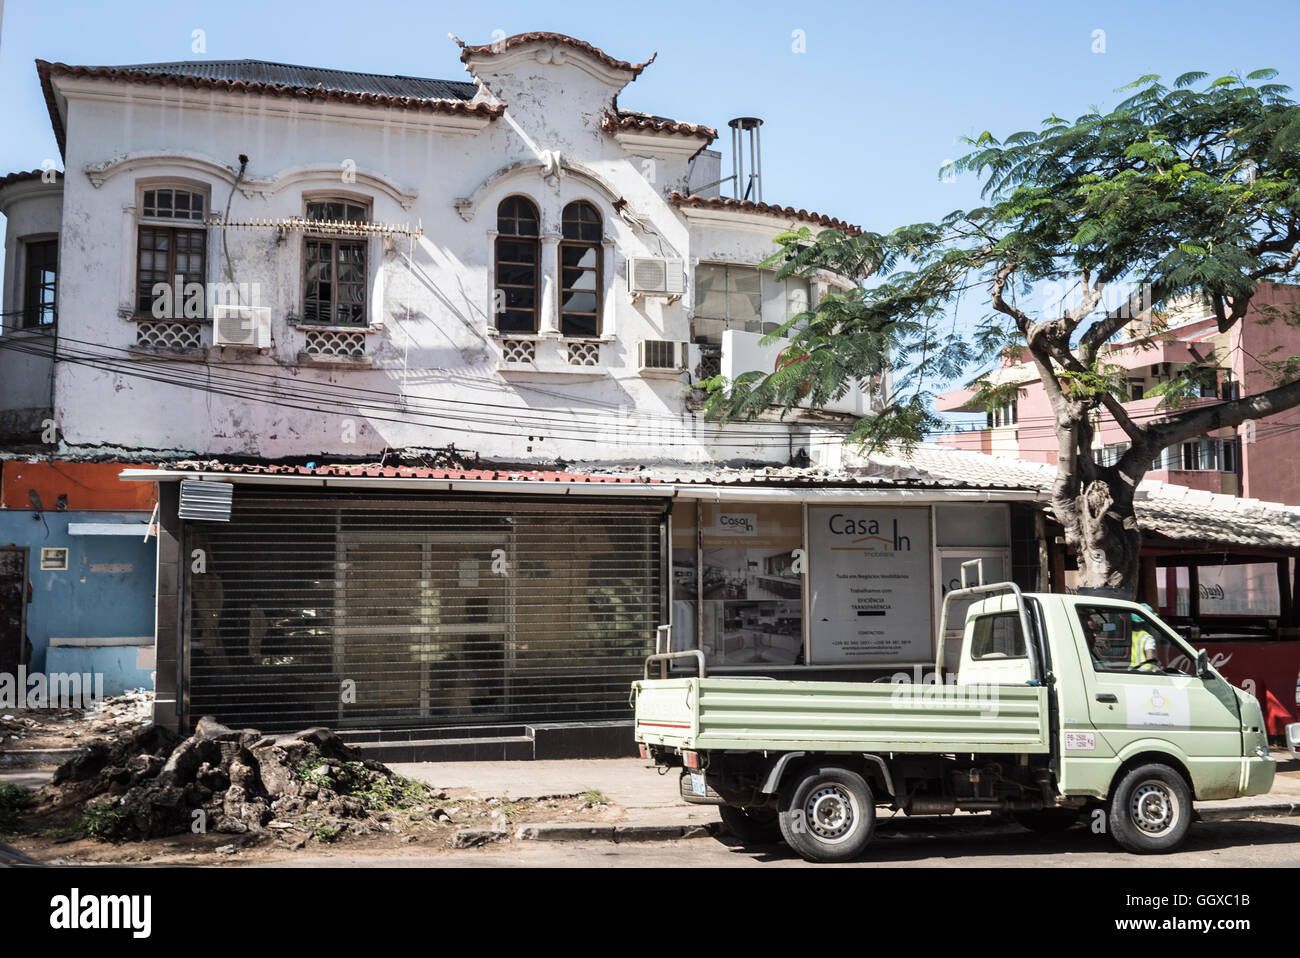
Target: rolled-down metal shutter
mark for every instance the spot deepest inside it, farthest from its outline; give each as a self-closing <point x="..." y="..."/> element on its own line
<point x="360" y="612"/>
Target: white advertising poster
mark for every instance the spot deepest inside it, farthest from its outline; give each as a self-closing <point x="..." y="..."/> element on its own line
<point x="870" y="569"/>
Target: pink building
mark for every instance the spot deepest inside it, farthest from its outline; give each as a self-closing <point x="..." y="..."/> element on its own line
<point x="1251" y="461"/>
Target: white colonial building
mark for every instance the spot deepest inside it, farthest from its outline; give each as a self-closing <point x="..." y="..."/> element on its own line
<point x="510" y="266"/>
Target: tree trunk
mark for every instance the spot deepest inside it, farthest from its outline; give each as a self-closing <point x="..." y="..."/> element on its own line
<point x="1100" y="525"/>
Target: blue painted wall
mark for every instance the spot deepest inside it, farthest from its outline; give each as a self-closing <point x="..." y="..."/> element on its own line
<point x="118" y="664"/>
<point x="114" y="600"/>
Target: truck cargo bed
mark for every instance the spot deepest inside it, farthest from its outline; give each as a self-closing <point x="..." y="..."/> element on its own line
<point x="778" y="715"/>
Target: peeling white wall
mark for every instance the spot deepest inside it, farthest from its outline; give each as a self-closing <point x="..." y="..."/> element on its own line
<point x="32" y="211"/>
<point x="435" y="378"/>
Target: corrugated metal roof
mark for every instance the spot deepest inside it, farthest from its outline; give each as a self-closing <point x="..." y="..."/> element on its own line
<point x="286" y="74"/>
<point x="1173" y="511"/>
<point x="868" y="476"/>
<point x="1205" y="519"/>
<point x="379" y="471"/>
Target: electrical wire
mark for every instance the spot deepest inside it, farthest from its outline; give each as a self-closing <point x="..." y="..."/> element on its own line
<point x="150" y="370"/>
<point x="514" y="413"/>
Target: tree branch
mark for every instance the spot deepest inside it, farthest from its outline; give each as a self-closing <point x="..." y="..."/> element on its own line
<point x="1225" y="415"/>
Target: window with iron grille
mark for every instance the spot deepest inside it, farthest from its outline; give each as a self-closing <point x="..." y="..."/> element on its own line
<point x="580" y="267"/>
<point x="171" y="245"/>
<point x="335" y="277"/>
<point x="1110" y="454"/>
<point x="518" y="257"/>
<point x="1199" y="455"/>
<point x="41" y="281"/>
<point x="659" y="354"/>
<point x="167" y="255"/>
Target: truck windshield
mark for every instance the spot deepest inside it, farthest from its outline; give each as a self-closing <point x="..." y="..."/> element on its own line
<point x="1124" y="640"/>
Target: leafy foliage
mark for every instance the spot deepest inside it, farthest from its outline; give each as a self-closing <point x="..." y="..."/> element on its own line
<point x="1175" y="190"/>
<point x="104" y="818"/>
<point x="14" y="800"/>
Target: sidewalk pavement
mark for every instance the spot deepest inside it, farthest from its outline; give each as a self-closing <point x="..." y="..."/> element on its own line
<point x="652" y="806"/>
<point x="654" y="809"/>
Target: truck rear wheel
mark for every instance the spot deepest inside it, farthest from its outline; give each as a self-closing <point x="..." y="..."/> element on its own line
<point x="753" y="826"/>
<point x="827" y="814"/>
<point x="1151" y="810"/>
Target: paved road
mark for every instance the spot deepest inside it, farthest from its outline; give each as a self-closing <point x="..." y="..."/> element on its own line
<point x="1267" y="842"/>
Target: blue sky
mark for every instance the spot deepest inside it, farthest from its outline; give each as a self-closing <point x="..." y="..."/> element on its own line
<point x="857" y="126"/>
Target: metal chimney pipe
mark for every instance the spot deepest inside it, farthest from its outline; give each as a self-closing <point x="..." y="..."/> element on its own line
<point x="753" y="184"/>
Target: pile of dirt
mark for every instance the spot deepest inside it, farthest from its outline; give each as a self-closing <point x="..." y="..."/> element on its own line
<point x="239" y="782"/>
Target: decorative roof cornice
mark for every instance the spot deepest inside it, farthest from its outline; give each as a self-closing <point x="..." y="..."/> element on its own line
<point x="469" y="52"/>
<point x="630" y="120"/>
<point x="728" y="204"/>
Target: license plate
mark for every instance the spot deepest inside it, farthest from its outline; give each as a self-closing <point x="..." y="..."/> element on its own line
<point x="697" y="784"/>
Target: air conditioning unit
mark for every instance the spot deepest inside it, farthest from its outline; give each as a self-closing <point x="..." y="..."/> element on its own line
<point x="247" y="326"/>
<point x="661" y="356"/>
<point x="655" y="276"/>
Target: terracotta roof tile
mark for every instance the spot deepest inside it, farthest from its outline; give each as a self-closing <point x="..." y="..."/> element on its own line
<point x="770" y="209"/>
<point x="26" y="175"/>
<point x="469" y="51"/>
<point x="648" y="123"/>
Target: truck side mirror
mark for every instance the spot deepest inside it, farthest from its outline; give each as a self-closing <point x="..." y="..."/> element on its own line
<point x="1203" y="664"/>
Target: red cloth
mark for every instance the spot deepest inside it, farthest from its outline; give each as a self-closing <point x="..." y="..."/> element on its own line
<point x="1269" y="670"/>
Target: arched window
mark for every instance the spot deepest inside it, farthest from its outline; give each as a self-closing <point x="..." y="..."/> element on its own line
<point x="518" y="255"/>
<point x="580" y="268"/>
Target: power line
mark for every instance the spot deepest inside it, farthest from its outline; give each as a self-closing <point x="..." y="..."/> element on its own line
<point x="224" y="385"/>
<point x="515" y="413"/>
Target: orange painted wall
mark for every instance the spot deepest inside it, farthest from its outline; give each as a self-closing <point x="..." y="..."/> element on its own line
<point x="89" y="486"/>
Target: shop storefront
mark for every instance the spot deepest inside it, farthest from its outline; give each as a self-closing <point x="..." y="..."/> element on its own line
<point x="802" y="585"/>
<point x="356" y="610"/>
<point x="362" y="601"/>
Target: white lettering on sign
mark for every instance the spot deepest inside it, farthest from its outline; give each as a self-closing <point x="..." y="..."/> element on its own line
<point x="1081" y="741"/>
<point x="1157" y="706"/>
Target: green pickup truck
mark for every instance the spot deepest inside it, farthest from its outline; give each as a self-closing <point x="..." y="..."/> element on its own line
<point x="1104" y="707"/>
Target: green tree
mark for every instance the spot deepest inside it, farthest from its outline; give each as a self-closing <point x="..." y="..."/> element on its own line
<point x="1176" y="191"/>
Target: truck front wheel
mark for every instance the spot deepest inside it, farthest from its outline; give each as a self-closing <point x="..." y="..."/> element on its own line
<point x="827" y="814"/>
<point x="1151" y="809"/>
